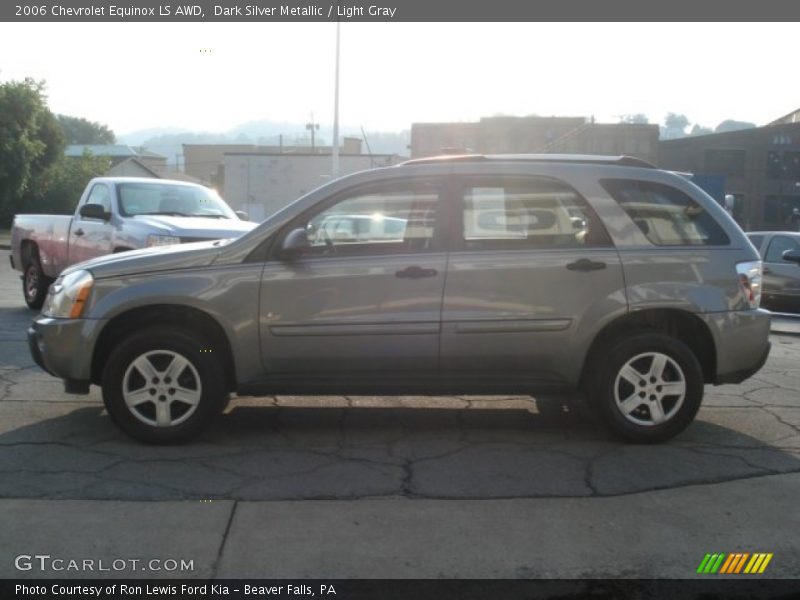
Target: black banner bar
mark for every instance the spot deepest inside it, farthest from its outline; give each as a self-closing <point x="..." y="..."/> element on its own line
<point x="707" y="588"/>
<point x="396" y="10"/>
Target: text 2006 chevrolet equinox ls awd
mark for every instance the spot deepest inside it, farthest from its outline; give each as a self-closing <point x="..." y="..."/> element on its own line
<point x="489" y="275"/>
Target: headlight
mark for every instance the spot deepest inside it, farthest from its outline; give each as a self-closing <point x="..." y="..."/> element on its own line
<point x="68" y="295"/>
<point x="162" y="240"/>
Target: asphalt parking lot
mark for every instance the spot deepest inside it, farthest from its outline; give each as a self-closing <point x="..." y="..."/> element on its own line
<point x="404" y="487"/>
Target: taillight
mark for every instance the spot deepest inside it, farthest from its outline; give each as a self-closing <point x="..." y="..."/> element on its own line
<point x="750" y="280"/>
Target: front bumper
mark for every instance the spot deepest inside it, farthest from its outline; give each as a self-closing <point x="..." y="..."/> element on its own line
<point x="64" y="348"/>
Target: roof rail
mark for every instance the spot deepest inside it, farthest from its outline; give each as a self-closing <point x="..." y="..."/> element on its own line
<point x="592" y="159"/>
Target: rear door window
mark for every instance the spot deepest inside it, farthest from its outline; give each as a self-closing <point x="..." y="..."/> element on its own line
<point x="666" y="215"/>
<point x="522" y="213"/>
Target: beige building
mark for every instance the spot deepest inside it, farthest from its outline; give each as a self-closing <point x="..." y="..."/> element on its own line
<point x="120" y="153"/>
<point x="535" y="135"/>
<point x="261" y="183"/>
<point x="207" y="161"/>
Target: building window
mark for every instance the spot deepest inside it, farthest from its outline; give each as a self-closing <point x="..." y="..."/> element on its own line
<point x="738" y="211"/>
<point x="774" y="164"/>
<point x="772" y="209"/>
<point x="791" y="163"/>
<point x="778" y="210"/>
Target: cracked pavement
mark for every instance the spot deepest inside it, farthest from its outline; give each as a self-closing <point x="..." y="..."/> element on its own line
<point x="373" y="452"/>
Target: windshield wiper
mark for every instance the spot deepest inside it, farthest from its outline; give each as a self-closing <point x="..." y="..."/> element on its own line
<point x="174" y="213"/>
<point x="171" y="213"/>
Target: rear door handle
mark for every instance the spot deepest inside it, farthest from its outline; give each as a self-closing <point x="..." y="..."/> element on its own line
<point x="584" y="264"/>
<point x="766" y="271"/>
<point x="416" y="272"/>
<point x="78" y="232"/>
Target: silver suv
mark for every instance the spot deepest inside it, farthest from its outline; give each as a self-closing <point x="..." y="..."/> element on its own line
<point x="513" y="274"/>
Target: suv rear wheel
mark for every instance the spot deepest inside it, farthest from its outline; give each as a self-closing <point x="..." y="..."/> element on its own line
<point x="647" y="387"/>
<point x="162" y="386"/>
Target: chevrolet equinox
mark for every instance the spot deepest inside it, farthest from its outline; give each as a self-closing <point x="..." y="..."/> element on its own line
<point x="520" y="274"/>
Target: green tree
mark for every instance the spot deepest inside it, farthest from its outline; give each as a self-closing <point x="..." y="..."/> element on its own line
<point x="83" y="131"/>
<point x="638" y="118"/>
<point x="31" y="141"/>
<point x="700" y="130"/>
<point x="58" y="189"/>
<point x="731" y="125"/>
<point x="675" y="126"/>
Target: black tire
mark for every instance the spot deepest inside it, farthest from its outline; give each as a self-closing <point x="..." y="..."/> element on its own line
<point x="160" y="347"/>
<point x="612" y="392"/>
<point x="34" y="282"/>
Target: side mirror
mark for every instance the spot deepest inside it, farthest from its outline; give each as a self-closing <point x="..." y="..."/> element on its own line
<point x="295" y="244"/>
<point x="242" y="215"/>
<point x="792" y="256"/>
<point x="94" y="211"/>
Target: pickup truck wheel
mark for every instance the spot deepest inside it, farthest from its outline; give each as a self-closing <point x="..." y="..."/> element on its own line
<point x="161" y="388"/>
<point x="34" y="283"/>
<point x="647" y="387"/>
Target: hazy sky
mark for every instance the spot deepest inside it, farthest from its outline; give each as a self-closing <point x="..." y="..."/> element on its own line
<point x="135" y="76"/>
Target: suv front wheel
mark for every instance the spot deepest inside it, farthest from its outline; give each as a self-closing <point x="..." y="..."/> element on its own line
<point x="34" y="282"/>
<point x="647" y="387"/>
<point x="162" y="386"/>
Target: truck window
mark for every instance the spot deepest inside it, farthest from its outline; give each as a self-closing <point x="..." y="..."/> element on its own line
<point x="169" y="199"/>
<point x="100" y="195"/>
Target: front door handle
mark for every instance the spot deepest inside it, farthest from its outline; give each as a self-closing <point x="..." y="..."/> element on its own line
<point x="584" y="264"/>
<point x="78" y="232"/>
<point x="416" y="272"/>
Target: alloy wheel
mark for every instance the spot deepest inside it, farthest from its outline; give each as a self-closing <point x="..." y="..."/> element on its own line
<point x="650" y="389"/>
<point x="161" y="388"/>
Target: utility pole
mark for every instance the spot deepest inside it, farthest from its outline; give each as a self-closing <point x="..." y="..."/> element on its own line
<point x="335" y="149"/>
<point x="313" y="128"/>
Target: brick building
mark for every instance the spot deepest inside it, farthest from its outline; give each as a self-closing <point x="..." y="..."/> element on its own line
<point x="759" y="166"/>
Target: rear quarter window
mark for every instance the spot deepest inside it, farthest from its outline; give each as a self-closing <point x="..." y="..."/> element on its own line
<point x="666" y="215"/>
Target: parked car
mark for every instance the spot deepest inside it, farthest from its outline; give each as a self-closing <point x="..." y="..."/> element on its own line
<point x="654" y="293"/>
<point x="357" y="228"/>
<point x="780" y="251"/>
<point x="116" y="214"/>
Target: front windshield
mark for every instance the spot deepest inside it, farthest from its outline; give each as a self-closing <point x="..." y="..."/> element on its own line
<point x="145" y="198"/>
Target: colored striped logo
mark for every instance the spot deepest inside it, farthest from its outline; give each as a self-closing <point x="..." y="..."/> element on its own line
<point x="734" y="564"/>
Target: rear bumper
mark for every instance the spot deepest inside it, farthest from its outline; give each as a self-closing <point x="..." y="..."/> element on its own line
<point x="742" y="343"/>
<point x="740" y="376"/>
